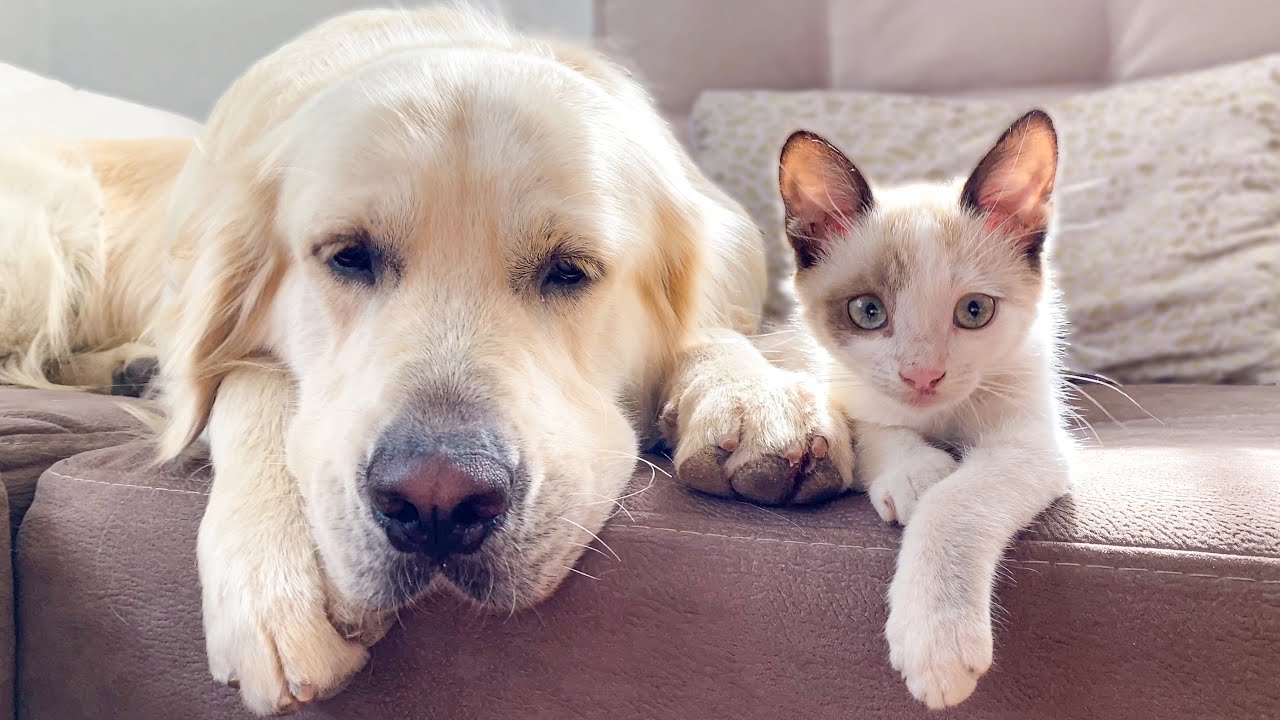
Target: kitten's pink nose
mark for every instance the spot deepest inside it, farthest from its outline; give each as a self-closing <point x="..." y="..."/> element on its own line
<point x="922" y="378"/>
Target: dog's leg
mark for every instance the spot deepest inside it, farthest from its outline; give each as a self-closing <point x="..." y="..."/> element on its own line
<point x="742" y="426"/>
<point x="122" y="370"/>
<point x="267" y="624"/>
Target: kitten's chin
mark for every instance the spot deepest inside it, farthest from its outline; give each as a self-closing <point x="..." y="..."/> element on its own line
<point x="915" y="408"/>
<point x="924" y="400"/>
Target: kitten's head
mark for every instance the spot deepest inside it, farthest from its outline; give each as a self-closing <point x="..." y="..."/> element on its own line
<point x="922" y="292"/>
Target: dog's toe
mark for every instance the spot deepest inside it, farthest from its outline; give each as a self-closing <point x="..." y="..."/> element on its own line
<point x="768" y="480"/>
<point x="132" y="378"/>
<point x="704" y="472"/>
<point x="820" y="482"/>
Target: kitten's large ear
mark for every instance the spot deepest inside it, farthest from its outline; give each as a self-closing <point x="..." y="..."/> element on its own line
<point x="823" y="193"/>
<point x="1012" y="184"/>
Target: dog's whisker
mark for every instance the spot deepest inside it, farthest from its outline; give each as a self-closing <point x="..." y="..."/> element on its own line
<point x="604" y="501"/>
<point x="592" y="548"/>
<point x="583" y="574"/>
<point x="593" y="535"/>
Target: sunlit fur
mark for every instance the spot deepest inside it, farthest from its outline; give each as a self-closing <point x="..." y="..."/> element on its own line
<point x="470" y="152"/>
<point x="78" y="251"/>
<point x="967" y="468"/>
<point x="919" y="253"/>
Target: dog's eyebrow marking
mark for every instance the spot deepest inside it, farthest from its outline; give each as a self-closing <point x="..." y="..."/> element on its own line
<point x="552" y="241"/>
<point x="340" y="237"/>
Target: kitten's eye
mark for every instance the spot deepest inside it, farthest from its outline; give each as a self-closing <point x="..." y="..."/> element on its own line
<point x="867" y="312"/>
<point x="354" y="262"/>
<point x="974" y="311"/>
<point x="563" y="274"/>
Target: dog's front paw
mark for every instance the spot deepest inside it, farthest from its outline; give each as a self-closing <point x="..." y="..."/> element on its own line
<point x="896" y="490"/>
<point x="770" y="439"/>
<point x="940" y="648"/>
<point x="267" y="623"/>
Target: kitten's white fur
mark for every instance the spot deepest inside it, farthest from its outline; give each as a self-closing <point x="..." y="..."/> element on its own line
<point x="999" y="406"/>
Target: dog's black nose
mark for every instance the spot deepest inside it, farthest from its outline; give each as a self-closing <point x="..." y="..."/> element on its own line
<point x="440" y="478"/>
<point x="439" y="505"/>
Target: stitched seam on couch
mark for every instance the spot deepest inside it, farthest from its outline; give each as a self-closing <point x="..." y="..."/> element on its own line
<point x="55" y="473"/>
<point x="1028" y="563"/>
<point x="70" y="438"/>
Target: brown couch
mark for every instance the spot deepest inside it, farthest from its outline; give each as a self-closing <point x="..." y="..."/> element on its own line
<point x="1153" y="591"/>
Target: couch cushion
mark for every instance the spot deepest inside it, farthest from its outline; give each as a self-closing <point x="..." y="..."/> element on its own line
<point x="40" y="427"/>
<point x="1152" y="592"/>
<point x="7" y="635"/>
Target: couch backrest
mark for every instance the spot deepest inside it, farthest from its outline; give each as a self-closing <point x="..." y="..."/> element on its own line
<point x="681" y="47"/>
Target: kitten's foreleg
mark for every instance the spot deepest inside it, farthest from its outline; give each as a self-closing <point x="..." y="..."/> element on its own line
<point x="939" y="628"/>
<point x="897" y="465"/>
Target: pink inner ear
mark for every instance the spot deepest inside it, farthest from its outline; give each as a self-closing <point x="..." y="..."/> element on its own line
<point x="824" y="221"/>
<point x="1014" y="198"/>
<point x="826" y="227"/>
<point x="823" y="194"/>
<point x="995" y="220"/>
<point x="823" y="210"/>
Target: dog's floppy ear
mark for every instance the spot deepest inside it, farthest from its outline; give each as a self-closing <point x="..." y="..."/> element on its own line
<point x="220" y="229"/>
<point x="673" y="281"/>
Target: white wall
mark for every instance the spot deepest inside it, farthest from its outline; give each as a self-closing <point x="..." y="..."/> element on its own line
<point x="181" y="54"/>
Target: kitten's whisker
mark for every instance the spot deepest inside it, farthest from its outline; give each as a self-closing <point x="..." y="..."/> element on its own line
<point x="787" y="331"/>
<point x="1083" y="185"/>
<point x="1075" y="415"/>
<point x="1112" y="384"/>
<point x="1099" y="405"/>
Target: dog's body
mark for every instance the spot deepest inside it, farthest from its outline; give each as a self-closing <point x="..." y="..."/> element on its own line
<point x="80" y="230"/>
<point x="413" y="254"/>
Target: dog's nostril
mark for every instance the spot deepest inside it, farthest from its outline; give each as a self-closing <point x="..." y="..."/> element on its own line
<point x="480" y="508"/>
<point x="395" y="508"/>
<point x="439" y="506"/>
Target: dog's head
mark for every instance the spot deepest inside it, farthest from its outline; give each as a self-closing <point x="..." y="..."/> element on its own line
<point x="469" y="256"/>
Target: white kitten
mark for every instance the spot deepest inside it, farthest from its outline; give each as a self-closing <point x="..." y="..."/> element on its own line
<point x="936" y="314"/>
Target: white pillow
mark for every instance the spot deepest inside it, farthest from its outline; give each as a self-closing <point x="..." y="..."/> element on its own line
<point x="1168" y="243"/>
<point x="35" y="105"/>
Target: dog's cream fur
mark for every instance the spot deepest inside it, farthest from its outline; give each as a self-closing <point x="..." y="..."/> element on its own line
<point x="469" y="151"/>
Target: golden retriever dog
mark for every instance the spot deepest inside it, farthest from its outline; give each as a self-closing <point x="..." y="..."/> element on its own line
<point x="428" y="287"/>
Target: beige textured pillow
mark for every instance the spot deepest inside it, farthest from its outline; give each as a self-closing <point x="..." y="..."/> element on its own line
<point x="1168" y="244"/>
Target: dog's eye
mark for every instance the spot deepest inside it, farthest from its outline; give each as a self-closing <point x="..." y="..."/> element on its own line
<point x="563" y="274"/>
<point x="354" y="262"/>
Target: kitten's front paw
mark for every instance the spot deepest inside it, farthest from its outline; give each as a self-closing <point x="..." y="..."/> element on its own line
<point x="896" y="491"/>
<point x="771" y="440"/>
<point x="941" y="649"/>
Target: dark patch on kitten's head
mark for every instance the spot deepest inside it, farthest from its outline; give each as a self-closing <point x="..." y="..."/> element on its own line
<point x="1012" y="185"/>
<point x="823" y="194"/>
<point x="885" y="277"/>
<point x="1033" y="247"/>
